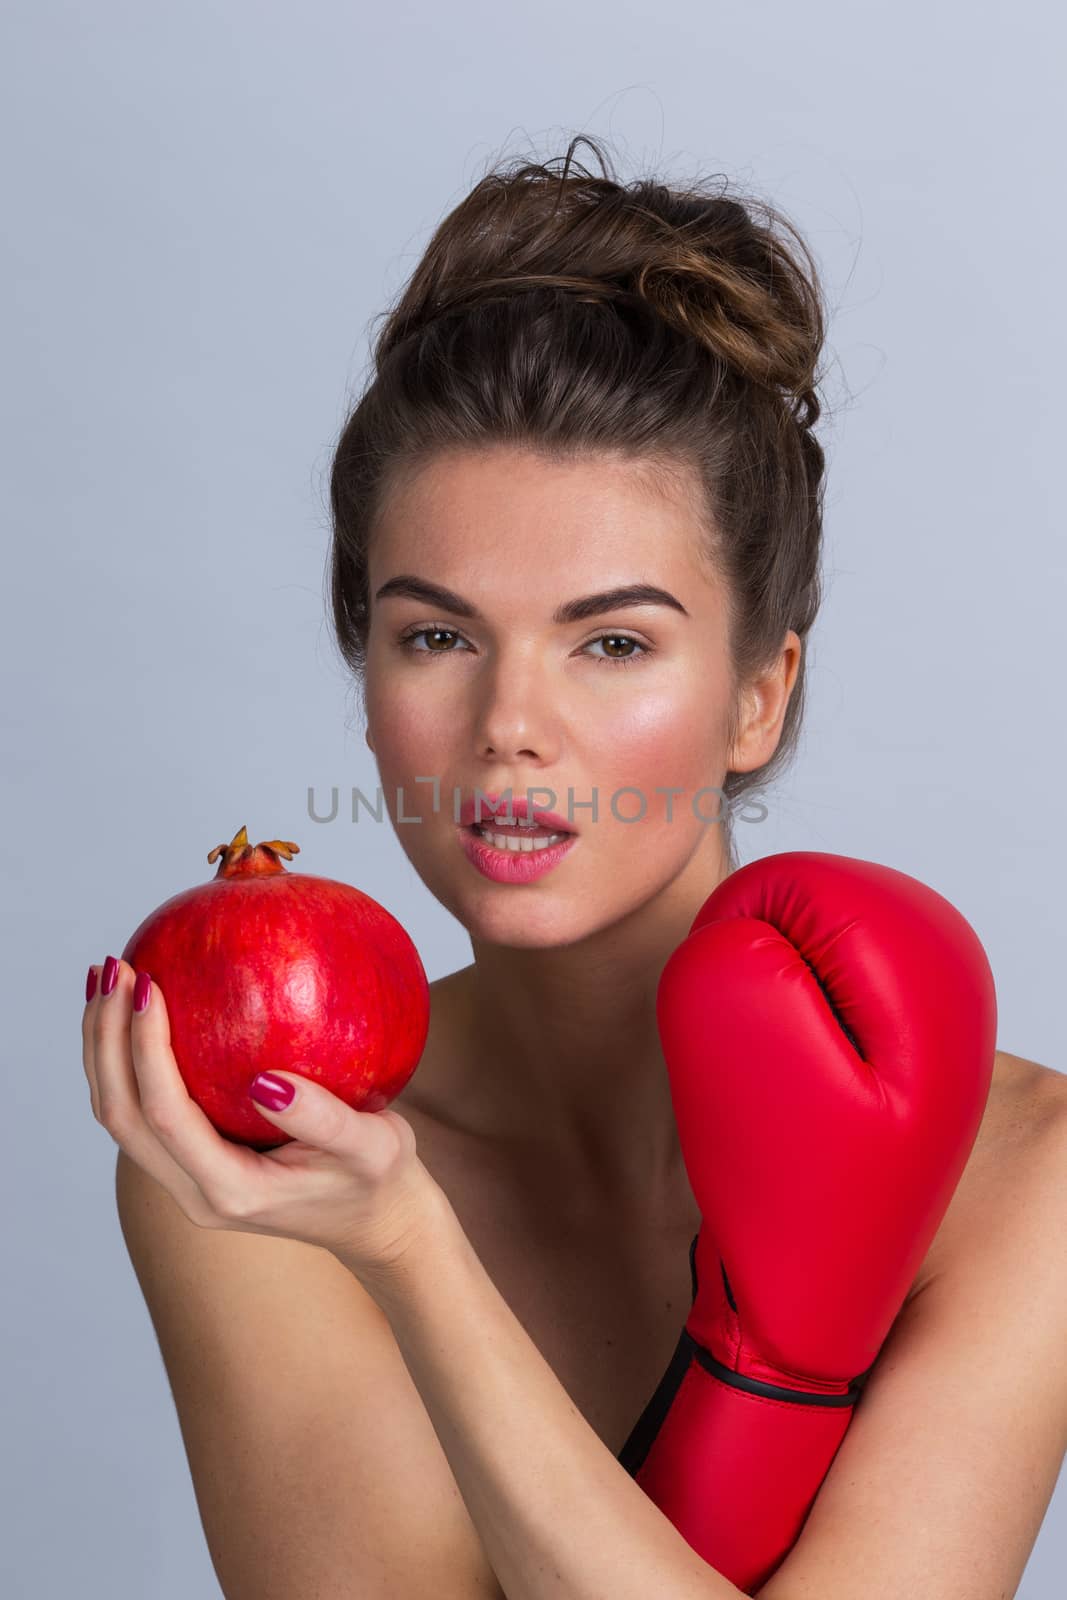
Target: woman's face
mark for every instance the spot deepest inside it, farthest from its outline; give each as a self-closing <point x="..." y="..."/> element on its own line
<point x="513" y="698"/>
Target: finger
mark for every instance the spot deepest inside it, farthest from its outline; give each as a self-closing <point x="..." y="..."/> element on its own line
<point x="370" y="1143"/>
<point x="92" y="991"/>
<point x="119" y="1098"/>
<point x="229" y="1177"/>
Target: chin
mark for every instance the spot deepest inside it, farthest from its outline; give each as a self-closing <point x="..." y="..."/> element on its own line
<point x="521" y="925"/>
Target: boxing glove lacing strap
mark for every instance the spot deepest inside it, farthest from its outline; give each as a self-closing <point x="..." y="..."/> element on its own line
<point x="687" y="1350"/>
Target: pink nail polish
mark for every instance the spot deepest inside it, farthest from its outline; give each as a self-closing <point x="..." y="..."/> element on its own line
<point x="142" y="991"/>
<point x="111" y="972"/>
<point x="90" y="985"/>
<point x="274" y="1093"/>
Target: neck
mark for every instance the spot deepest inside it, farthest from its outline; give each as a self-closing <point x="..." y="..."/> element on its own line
<point x="565" y="1055"/>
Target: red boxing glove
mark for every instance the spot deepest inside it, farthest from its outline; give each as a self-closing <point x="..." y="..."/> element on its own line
<point x="829" y="1027"/>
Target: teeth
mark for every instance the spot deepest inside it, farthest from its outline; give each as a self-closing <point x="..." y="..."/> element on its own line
<point x="507" y="822"/>
<point x="502" y="842"/>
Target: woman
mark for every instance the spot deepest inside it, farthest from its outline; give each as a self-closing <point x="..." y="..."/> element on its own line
<point x="407" y="1366"/>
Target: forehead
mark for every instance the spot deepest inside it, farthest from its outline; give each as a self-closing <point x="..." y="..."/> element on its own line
<point x="593" y="521"/>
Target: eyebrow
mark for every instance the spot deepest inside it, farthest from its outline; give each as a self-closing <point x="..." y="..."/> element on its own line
<point x="590" y="605"/>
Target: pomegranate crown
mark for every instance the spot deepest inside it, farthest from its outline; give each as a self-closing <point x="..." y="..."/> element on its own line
<point x="241" y="859"/>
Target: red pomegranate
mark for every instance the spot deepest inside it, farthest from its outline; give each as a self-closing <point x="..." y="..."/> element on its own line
<point x="261" y="967"/>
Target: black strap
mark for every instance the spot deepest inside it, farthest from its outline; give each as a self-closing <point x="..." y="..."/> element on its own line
<point x="687" y="1350"/>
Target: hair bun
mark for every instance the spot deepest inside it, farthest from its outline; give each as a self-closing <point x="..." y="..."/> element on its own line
<point x="715" y="269"/>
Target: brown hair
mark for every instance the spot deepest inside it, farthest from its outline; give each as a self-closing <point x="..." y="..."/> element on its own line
<point x="567" y="313"/>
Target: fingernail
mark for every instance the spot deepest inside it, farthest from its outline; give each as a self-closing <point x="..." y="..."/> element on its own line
<point x="111" y="972"/>
<point x="90" y="985"/>
<point x="274" y="1093"/>
<point x="142" y="990"/>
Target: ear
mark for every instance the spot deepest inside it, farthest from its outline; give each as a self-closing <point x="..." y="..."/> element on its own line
<point x="763" y="707"/>
<point x="370" y="741"/>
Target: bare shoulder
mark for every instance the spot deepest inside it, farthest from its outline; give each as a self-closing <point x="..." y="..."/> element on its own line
<point x="303" y="1429"/>
<point x="1027" y="1109"/>
<point x="1018" y="1161"/>
<point x="1026" y="1076"/>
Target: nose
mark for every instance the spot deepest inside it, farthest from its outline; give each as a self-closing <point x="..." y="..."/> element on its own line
<point x="516" y="716"/>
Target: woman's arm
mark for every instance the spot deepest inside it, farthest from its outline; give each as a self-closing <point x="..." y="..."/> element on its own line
<point x="560" y="1518"/>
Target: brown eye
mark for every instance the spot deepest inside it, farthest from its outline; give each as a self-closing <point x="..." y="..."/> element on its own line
<point x="633" y="649"/>
<point x="407" y="641"/>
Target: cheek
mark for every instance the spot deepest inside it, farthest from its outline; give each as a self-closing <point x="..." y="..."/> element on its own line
<point x="671" y="738"/>
<point x="406" y="726"/>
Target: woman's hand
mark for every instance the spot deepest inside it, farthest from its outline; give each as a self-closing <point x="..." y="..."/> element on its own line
<point x="350" y="1181"/>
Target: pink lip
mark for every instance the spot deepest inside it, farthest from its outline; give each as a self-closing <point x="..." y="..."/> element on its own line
<point x="490" y="806"/>
<point x="512" y="866"/>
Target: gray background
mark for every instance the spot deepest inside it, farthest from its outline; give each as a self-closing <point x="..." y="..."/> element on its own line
<point x="203" y="208"/>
